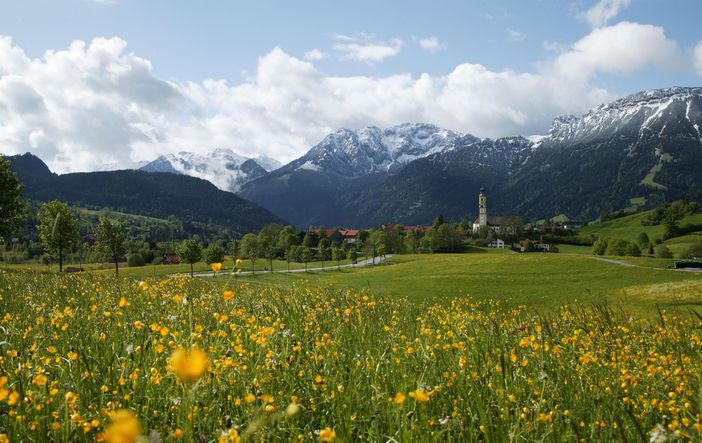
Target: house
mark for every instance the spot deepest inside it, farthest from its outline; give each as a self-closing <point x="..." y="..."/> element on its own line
<point x="495" y="222"/>
<point x="349" y="235"/>
<point x="536" y="245"/>
<point x="499" y="244"/>
<point x="170" y="259"/>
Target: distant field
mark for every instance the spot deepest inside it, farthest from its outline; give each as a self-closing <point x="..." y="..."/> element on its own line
<point x="535" y="280"/>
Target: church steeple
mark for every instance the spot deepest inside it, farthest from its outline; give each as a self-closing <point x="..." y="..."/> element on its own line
<point x="482" y="204"/>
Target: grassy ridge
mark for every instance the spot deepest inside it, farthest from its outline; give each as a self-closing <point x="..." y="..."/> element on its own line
<point x="630" y="227"/>
<point x="356" y="367"/>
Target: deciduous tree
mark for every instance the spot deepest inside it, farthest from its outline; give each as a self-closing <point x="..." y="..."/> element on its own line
<point x="58" y="228"/>
<point x="190" y="251"/>
<point x="110" y="240"/>
<point x="12" y="207"/>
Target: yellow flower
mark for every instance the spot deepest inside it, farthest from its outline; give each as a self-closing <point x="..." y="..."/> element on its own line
<point x="72" y="355"/>
<point x="228" y="295"/>
<point x="231" y="435"/>
<point x="400" y="398"/>
<point x="188" y="364"/>
<point x="216" y="267"/>
<point x="138" y="324"/>
<point x="71" y="397"/>
<point x="122" y="302"/>
<point x="143" y="286"/>
<point x="4" y="438"/>
<point x="39" y="380"/>
<point x="178" y="434"/>
<point x="123" y="429"/>
<point x="327" y="434"/>
<point x="420" y="395"/>
<point x="12" y="398"/>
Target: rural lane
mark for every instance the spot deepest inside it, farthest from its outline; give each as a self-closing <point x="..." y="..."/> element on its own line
<point x="285" y="271"/>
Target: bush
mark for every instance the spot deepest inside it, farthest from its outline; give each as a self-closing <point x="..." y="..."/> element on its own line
<point x="633" y="250"/>
<point x="599" y="247"/>
<point x="617" y="247"/>
<point x="662" y="251"/>
<point x="135" y="260"/>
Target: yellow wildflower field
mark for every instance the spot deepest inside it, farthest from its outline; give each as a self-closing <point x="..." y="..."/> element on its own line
<point x="94" y="358"/>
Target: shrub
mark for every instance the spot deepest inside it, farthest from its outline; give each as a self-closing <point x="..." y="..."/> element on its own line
<point x="599" y="247"/>
<point x="135" y="260"/>
<point x="633" y="250"/>
<point x="617" y="247"/>
<point x="662" y="251"/>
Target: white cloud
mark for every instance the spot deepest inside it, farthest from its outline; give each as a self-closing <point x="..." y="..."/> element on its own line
<point x="314" y="54"/>
<point x="431" y="44"/>
<point x="515" y="36"/>
<point x="604" y="11"/>
<point x="363" y="47"/>
<point x="697" y="58"/>
<point x="95" y="104"/>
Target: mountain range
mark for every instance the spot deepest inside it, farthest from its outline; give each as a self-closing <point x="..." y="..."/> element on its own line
<point x="223" y="168"/>
<point x="638" y="151"/>
<point x="161" y="195"/>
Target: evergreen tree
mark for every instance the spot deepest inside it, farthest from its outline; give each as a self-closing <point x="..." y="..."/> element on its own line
<point x="12" y="207"/>
<point x="58" y="228"/>
<point x="643" y="240"/>
<point x="439" y="220"/>
<point x="110" y="239"/>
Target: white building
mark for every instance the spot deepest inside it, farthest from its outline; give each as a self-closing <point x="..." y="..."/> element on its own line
<point x="493" y="221"/>
<point x="499" y="244"/>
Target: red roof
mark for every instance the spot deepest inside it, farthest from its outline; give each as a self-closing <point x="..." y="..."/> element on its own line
<point x="349" y="233"/>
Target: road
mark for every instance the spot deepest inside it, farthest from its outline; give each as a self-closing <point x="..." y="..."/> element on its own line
<point x="631" y="265"/>
<point x="285" y="271"/>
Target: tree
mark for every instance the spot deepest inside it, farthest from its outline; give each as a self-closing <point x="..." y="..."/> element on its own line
<point x="189" y="251"/>
<point x="353" y="256"/>
<point x="633" y="250"/>
<point x="58" y="229"/>
<point x="289" y="254"/>
<point x="250" y="249"/>
<point x="213" y="254"/>
<point x="305" y="255"/>
<point x="643" y="240"/>
<point x="110" y="239"/>
<point x="439" y="220"/>
<point x="12" y="207"/>
<point x="338" y="254"/>
<point x="323" y="250"/>
<point x="599" y="247"/>
<point x="617" y="247"/>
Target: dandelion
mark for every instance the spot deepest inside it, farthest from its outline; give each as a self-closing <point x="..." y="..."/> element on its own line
<point x="238" y="262"/>
<point x="327" y="434"/>
<point x="143" y="286"/>
<point x="216" y="267"/>
<point x="188" y="364"/>
<point x="124" y="427"/>
<point x="228" y="295"/>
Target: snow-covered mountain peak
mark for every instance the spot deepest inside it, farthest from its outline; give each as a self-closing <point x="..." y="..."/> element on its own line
<point x="635" y="116"/>
<point x="222" y="167"/>
<point x="371" y="149"/>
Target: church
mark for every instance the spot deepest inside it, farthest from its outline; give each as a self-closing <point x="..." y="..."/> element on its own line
<point x="495" y="222"/>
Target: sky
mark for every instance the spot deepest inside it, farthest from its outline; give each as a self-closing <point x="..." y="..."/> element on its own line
<point x="106" y="84"/>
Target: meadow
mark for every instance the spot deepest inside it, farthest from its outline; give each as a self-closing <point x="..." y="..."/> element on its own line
<point x="88" y="357"/>
<point x="543" y="282"/>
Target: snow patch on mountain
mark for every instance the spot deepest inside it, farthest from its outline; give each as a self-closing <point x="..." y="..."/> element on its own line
<point x="223" y="168"/>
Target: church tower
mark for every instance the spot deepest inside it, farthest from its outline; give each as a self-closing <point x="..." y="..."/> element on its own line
<point x="482" y="204"/>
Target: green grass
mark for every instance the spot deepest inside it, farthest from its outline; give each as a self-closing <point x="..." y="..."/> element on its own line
<point x="540" y="281"/>
<point x="630" y="227"/>
<point x="79" y="352"/>
<point x="574" y="249"/>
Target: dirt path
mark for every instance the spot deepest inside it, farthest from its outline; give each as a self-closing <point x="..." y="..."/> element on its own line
<point x="631" y="265"/>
